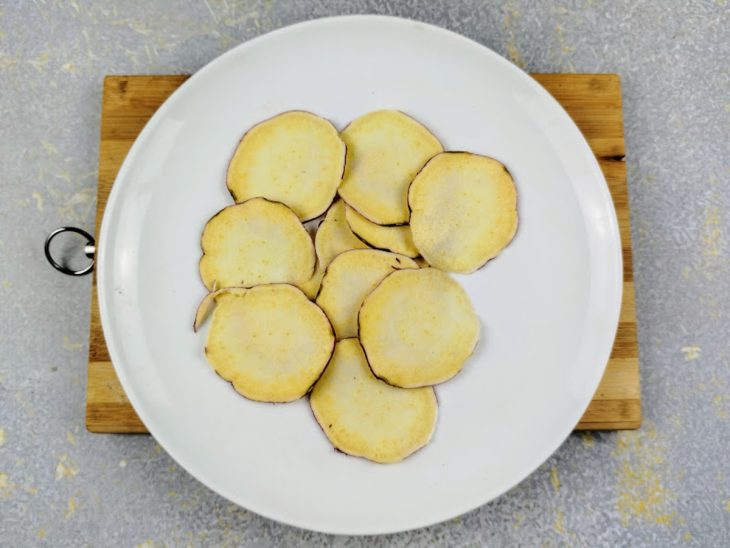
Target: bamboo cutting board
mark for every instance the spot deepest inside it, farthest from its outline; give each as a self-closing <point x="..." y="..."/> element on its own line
<point x="592" y="100"/>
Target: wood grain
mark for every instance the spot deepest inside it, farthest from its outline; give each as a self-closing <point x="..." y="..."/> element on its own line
<point x="592" y="100"/>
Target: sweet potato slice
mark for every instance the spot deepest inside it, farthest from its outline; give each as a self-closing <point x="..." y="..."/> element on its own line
<point x="421" y="262"/>
<point x="397" y="239"/>
<point x="333" y="237"/>
<point x="463" y="210"/>
<point x="256" y="242"/>
<point x="296" y="158"/>
<point x="365" y="417"/>
<point x="269" y="341"/>
<point x="348" y="280"/>
<point x="312" y="285"/>
<point x="417" y="328"/>
<point x="385" y="150"/>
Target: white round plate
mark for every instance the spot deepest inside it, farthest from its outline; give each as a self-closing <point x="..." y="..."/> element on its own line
<point x="548" y="305"/>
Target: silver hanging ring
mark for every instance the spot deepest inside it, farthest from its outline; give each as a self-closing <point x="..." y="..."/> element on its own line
<point x="89" y="251"/>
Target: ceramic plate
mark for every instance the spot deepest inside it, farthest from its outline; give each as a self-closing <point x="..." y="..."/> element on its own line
<point x="548" y="305"/>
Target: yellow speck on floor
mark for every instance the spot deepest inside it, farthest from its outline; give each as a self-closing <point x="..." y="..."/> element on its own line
<point x="66" y="468"/>
<point x="691" y="352"/>
<point x="559" y="525"/>
<point x="554" y="479"/>
<point x="641" y="492"/>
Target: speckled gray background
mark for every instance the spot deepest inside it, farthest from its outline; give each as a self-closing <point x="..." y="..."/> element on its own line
<point x="667" y="484"/>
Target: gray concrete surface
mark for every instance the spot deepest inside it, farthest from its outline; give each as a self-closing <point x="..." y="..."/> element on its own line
<point x="667" y="484"/>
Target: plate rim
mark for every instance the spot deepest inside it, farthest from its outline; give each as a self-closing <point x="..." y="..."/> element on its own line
<point x="117" y="190"/>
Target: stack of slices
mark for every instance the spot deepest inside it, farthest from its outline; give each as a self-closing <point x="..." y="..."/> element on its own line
<point x="362" y="316"/>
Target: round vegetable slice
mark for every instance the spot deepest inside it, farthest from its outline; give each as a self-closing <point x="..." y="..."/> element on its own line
<point x="253" y="243"/>
<point x="397" y="239"/>
<point x="296" y="158"/>
<point x="269" y="341"/>
<point x="366" y="417"/>
<point x="348" y="280"/>
<point x="463" y="210"/>
<point x="417" y="328"/>
<point x="385" y="150"/>
<point x="333" y="237"/>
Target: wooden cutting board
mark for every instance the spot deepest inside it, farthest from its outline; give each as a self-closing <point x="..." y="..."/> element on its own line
<point x="592" y="100"/>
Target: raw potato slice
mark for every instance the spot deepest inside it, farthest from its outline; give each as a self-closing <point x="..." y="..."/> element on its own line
<point x="296" y="158"/>
<point x="269" y="341"/>
<point x="365" y="417"/>
<point x="417" y="328"/>
<point x="348" y="280"/>
<point x="253" y="243"/>
<point x="397" y="239"/>
<point x="334" y="236"/>
<point x="463" y="210"/>
<point x="385" y="150"/>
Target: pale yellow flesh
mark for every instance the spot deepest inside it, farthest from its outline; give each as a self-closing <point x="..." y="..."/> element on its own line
<point x="312" y="285"/>
<point x="421" y="262"/>
<point x="253" y="243"/>
<point x="385" y="150"/>
<point x="350" y="277"/>
<point x="296" y="158"/>
<point x="365" y="417"/>
<point x="418" y="327"/>
<point x="205" y="307"/>
<point x="463" y="210"/>
<point x="397" y="239"/>
<point x="269" y="341"/>
<point x="334" y="236"/>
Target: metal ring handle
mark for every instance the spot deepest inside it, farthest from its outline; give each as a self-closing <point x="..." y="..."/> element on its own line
<point x="89" y="250"/>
